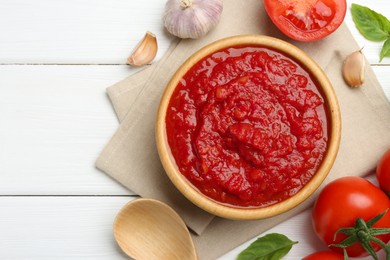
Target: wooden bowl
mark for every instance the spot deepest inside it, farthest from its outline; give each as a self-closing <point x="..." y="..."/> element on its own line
<point x="242" y="213"/>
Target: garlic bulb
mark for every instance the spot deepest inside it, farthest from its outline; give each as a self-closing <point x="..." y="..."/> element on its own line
<point x="353" y="69"/>
<point x="192" y="18"/>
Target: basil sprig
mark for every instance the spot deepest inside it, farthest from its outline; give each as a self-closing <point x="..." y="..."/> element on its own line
<point x="373" y="26"/>
<point x="269" y="247"/>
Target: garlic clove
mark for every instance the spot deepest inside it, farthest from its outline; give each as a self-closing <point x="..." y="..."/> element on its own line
<point x="354" y="68"/>
<point x="144" y="52"/>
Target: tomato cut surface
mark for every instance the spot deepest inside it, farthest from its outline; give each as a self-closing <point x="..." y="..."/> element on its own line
<point x="306" y="20"/>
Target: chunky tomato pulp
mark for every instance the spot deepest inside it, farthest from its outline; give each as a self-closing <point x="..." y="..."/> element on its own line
<point x="247" y="126"/>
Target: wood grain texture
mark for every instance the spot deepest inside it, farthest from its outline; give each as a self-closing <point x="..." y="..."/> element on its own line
<point x="101" y="32"/>
<point x="77" y="32"/>
<point x="150" y="229"/>
<point x="44" y="228"/>
<point x="383" y="75"/>
<point x="55" y="121"/>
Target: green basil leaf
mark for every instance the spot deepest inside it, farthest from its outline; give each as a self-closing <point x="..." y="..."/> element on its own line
<point x="385" y="52"/>
<point x="269" y="247"/>
<point x="372" y="25"/>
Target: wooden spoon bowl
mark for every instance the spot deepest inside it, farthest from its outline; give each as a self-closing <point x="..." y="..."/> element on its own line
<point x="150" y="229"/>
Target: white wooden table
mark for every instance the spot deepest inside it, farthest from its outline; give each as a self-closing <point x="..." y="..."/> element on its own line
<point x="56" y="59"/>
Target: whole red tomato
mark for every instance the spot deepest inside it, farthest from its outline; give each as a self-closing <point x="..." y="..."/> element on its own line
<point x="324" y="255"/>
<point x="383" y="172"/>
<point x="341" y="203"/>
<point x="306" y="20"/>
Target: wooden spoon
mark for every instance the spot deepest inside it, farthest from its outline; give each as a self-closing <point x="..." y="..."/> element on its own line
<point x="150" y="229"/>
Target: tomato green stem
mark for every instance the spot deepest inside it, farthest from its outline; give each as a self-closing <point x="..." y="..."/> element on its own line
<point x="365" y="234"/>
<point x="345" y="254"/>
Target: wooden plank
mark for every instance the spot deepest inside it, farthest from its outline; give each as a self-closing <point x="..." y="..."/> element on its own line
<point x="101" y="32"/>
<point x="382" y="73"/>
<point x="54" y="122"/>
<point x="59" y="227"/>
<point x="82" y="32"/>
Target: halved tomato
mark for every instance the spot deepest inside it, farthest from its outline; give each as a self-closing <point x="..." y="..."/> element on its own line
<point x="306" y="20"/>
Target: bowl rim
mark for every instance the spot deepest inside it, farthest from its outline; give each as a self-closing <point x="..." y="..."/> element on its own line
<point x="242" y="213"/>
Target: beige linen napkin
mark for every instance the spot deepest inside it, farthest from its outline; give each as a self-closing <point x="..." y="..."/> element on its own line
<point x="131" y="156"/>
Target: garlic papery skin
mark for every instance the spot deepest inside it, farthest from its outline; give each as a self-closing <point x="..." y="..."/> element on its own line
<point x="144" y="52"/>
<point x="192" y="18"/>
<point x="354" y="68"/>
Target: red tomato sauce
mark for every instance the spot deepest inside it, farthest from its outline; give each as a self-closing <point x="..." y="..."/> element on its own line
<point x="247" y="126"/>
